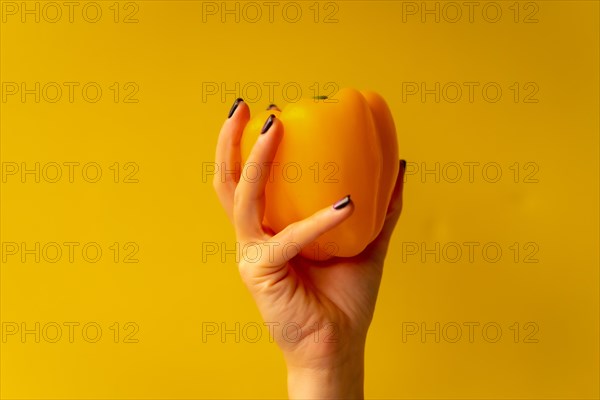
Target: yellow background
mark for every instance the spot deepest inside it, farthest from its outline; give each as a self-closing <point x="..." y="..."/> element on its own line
<point x="171" y="131"/>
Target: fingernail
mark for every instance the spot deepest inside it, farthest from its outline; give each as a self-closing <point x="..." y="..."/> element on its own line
<point x="235" y="105"/>
<point x="268" y="124"/>
<point x="403" y="164"/>
<point x="273" y="106"/>
<point x="342" y="203"/>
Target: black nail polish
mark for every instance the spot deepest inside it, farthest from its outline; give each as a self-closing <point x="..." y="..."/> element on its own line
<point x="235" y="105"/>
<point x="272" y="106"/>
<point x="268" y="124"/>
<point x="403" y="164"/>
<point x="342" y="203"/>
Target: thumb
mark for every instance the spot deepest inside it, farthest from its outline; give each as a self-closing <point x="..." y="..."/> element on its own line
<point x="300" y="234"/>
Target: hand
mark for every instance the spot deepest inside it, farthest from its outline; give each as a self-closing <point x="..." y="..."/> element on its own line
<point x="319" y="311"/>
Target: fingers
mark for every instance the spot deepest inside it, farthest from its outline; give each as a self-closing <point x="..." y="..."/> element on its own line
<point x="249" y="203"/>
<point x="378" y="248"/>
<point x="298" y="235"/>
<point x="228" y="155"/>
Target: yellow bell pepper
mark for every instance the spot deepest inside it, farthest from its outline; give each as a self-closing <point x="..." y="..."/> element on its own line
<point x="329" y="150"/>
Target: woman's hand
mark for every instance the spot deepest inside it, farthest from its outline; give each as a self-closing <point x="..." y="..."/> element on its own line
<point x="319" y="312"/>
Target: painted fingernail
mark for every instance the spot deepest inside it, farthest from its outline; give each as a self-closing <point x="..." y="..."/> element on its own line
<point x="273" y="106"/>
<point x="342" y="203"/>
<point x="403" y="164"/>
<point x="234" y="107"/>
<point x="268" y="124"/>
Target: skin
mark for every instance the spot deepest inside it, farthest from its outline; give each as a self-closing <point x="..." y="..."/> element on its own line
<point x="329" y="305"/>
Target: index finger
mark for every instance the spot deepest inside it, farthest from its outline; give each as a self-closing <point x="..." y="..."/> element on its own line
<point x="228" y="154"/>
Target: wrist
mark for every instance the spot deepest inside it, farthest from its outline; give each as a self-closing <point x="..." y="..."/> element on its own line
<point x="335" y="379"/>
